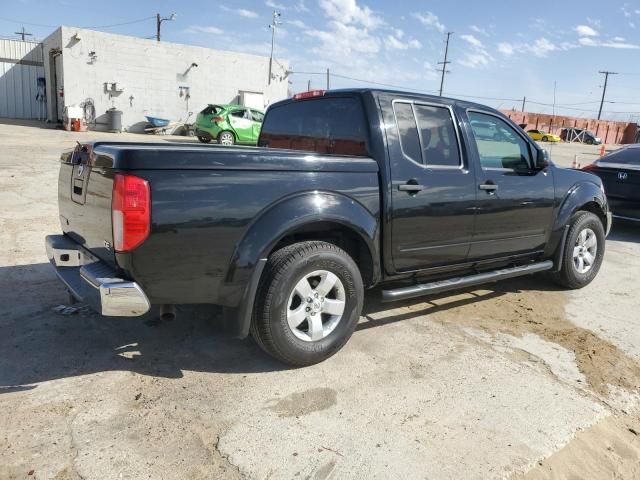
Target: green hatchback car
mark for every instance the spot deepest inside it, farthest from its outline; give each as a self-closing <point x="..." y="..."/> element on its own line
<point x="229" y="124"/>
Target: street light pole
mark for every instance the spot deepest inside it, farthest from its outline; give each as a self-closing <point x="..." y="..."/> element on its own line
<point x="604" y="89"/>
<point x="273" y="26"/>
<point x="159" y="22"/>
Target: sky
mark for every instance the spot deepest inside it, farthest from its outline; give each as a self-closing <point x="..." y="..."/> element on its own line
<point x="500" y="51"/>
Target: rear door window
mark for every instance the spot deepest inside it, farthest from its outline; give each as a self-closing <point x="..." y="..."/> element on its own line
<point x="330" y="125"/>
<point x="438" y="136"/>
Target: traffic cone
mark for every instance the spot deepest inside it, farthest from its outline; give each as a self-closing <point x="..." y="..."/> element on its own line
<point x="575" y="163"/>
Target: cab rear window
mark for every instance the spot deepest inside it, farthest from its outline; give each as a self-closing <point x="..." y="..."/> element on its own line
<point x="329" y="125"/>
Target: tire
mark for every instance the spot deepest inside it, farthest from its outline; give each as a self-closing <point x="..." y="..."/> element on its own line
<point x="545" y="139"/>
<point x="289" y="272"/>
<point x="226" y="138"/>
<point x="589" y="141"/>
<point x="570" y="275"/>
<point x="205" y="138"/>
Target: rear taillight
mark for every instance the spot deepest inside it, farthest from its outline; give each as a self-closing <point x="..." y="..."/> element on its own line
<point x="217" y="119"/>
<point x="590" y="168"/>
<point x="309" y="94"/>
<point x="130" y="212"/>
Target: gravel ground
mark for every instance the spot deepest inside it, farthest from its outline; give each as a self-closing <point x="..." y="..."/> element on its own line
<point x="515" y="379"/>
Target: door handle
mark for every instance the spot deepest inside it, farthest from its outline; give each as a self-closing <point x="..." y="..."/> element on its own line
<point x="488" y="187"/>
<point x="410" y="187"/>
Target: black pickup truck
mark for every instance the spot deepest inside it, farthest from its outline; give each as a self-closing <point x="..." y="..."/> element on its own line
<point x="347" y="190"/>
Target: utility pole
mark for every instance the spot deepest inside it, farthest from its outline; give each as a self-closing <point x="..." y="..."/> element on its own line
<point x="23" y="33"/>
<point x="273" y="26"/>
<point x="328" y="76"/>
<point x="309" y="85"/>
<point x="524" y="102"/>
<point x="604" y="89"/>
<point x="445" y="62"/>
<point x="159" y="22"/>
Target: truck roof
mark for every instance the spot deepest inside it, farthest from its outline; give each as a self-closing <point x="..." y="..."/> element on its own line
<point x="405" y="93"/>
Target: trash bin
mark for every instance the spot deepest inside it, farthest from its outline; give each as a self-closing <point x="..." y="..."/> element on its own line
<point x="114" y="120"/>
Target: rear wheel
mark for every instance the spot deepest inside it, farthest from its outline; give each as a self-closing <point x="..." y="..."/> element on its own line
<point x="204" y="138"/>
<point x="308" y="303"/>
<point x="583" y="251"/>
<point x="226" y="138"/>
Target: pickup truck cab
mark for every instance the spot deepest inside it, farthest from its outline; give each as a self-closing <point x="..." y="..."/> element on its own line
<point x="347" y="190"/>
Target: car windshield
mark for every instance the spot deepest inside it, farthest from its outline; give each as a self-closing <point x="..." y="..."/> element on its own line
<point x="624" y="156"/>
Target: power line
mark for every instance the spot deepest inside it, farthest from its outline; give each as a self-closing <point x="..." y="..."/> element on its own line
<point x="87" y="27"/>
<point x="566" y="106"/>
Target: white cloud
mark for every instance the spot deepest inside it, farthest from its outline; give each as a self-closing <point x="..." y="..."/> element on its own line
<point x="342" y="40"/>
<point x="594" y="21"/>
<point x="481" y="31"/>
<point x="429" y="20"/>
<point x="506" y="48"/>
<point x="542" y="46"/>
<point x="301" y="7"/>
<point x="618" y="39"/>
<point x="478" y="55"/>
<point x="392" y="42"/>
<point x="475" y="60"/>
<point x="204" y="29"/>
<point x="473" y="41"/>
<point x="349" y="12"/>
<point x="246" y="13"/>
<point x="621" y="44"/>
<point x="277" y="6"/>
<point x="297" y="23"/>
<point x="586" y="31"/>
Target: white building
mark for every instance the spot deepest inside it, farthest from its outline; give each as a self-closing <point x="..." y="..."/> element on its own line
<point x="98" y="71"/>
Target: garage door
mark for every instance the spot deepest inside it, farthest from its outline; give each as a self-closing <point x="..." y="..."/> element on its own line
<point x="21" y="80"/>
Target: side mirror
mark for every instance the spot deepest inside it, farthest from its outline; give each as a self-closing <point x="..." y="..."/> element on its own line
<point x="542" y="159"/>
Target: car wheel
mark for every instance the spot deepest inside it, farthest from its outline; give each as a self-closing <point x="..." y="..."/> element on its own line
<point x="583" y="251"/>
<point x="204" y="138"/>
<point x="308" y="303"/>
<point x="545" y="139"/>
<point x="226" y="138"/>
<point x="589" y="141"/>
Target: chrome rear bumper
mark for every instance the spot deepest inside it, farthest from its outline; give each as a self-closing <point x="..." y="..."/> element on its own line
<point x="92" y="281"/>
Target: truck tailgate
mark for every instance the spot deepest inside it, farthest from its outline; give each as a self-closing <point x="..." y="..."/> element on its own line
<point x="84" y="200"/>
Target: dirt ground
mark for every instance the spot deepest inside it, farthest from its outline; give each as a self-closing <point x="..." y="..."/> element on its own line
<point x="512" y="380"/>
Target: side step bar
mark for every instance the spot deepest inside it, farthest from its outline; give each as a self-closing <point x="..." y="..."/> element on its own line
<point x="439" y="286"/>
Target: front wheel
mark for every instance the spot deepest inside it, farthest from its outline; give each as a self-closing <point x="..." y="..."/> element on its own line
<point x="226" y="138"/>
<point x="545" y="139"/>
<point x="308" y="303"/>
<point x="583" y="251"/>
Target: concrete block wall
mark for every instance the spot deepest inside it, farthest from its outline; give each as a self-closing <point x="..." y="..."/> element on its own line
<point x="148" y="76"/>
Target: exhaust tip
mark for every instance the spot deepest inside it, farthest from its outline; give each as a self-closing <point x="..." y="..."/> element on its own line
<point x="167" y="312"/>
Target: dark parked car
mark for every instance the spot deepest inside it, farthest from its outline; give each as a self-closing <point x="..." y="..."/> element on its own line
<point x="580" y="135"/>
<point x="620" y="174"/>
<point x="351" y="189"/>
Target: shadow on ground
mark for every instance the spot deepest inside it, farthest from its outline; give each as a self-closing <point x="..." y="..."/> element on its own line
<point x="38" y="344"/>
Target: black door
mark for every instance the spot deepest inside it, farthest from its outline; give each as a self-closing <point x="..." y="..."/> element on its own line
<point x="515" y="200"/>
<point x="432" y="190"/>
